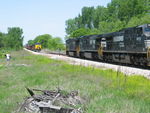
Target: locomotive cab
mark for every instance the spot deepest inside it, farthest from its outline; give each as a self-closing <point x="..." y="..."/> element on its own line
<point x="71" y="46"/>
<point x="37" y="47"/>
<point x="146" y="32"/>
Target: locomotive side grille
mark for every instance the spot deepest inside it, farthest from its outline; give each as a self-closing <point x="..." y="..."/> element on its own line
<point x="147" y="43"/>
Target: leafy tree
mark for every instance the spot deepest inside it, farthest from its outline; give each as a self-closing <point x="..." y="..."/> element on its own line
<point x="1" y="40"/>
<point x="138" y="20"/>
<point x="71" y="26"/>
<point x="14" y="38"/>
<point x="31" y="42"/>
<point x="113" y="10"/>
<point x="43" y="39"/>
<point x="80" y="32"/>
<point x="47" y="41"/>
<point x="106" y="27"/>
<point x="145" y="19"/>
<point x="117" y="15"/>
<point x="57" y="43"/>
<point x="88" y="17"/>
<point x="100" y="14"/>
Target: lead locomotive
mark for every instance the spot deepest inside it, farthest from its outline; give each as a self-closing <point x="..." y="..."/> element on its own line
<point x="130" y="45"/>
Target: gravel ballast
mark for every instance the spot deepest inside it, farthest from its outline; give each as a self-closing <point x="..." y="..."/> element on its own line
<point x="76" y="61"/>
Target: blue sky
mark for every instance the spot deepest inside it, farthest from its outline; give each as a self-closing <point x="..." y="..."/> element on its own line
<point x="37" y="17"/>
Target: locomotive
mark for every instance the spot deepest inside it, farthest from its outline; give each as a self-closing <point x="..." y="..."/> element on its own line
<point x="35" y="47"/>
<point x="129" y="45"/>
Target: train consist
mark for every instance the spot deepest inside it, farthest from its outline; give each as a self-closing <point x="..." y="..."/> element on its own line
<point x="35" y="47"/>
<point x="130" y="46"/>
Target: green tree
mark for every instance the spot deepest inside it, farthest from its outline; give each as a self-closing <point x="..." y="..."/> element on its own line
<point x="71" y="26"/>
<point x="47" y="41"/>
<point x="105" y="27"/>
<point x="14" y="38"/>
<point x="30" y="42"/>
<point x="88" y="17"/>
<point x="80" y="32"/>
<point x="43" y="39"/>
<point x="57" y="43"/>
<point x="117" y="15"/>
<point x="1" y="40"/>
<point x="100" y="14"/>
<point x="138" y="20"/>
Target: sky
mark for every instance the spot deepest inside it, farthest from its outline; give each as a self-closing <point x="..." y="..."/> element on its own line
<point x="37" y="17"/>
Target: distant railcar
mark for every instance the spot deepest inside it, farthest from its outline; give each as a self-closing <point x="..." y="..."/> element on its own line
<point x="35" y="47"/>
<point x="30" y="47"/>
<point x="130" y="45"/>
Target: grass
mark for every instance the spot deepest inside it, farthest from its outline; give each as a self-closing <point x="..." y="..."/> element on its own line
<point x="106" y="91"/>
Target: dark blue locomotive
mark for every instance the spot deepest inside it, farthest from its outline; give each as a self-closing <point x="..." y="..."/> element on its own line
<point x="130" y="45"/>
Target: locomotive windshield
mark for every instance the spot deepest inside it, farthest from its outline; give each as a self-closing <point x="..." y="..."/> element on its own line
<point x="147" y="31"/>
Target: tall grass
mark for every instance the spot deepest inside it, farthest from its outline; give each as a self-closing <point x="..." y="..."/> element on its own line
<point x="105" y="91"/>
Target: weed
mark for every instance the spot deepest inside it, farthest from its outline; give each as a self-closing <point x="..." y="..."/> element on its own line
<point x="106" y="90"/>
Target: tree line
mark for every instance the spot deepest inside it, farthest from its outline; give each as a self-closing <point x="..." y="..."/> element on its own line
<point x="47" y="41"/>
<point x="13" y="39"/>
<point x="117" y="15"/>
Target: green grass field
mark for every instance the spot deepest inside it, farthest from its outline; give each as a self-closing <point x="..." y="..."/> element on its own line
<point x="105" y="91"/>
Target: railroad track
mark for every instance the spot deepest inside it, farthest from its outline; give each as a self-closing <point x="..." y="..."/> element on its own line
<point x="119" y="64"/>
<point x="57" y="53"/>
<point x="126" y="69"/>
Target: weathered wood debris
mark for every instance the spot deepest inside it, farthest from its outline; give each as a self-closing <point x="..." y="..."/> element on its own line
<point x="52" y="101"/>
